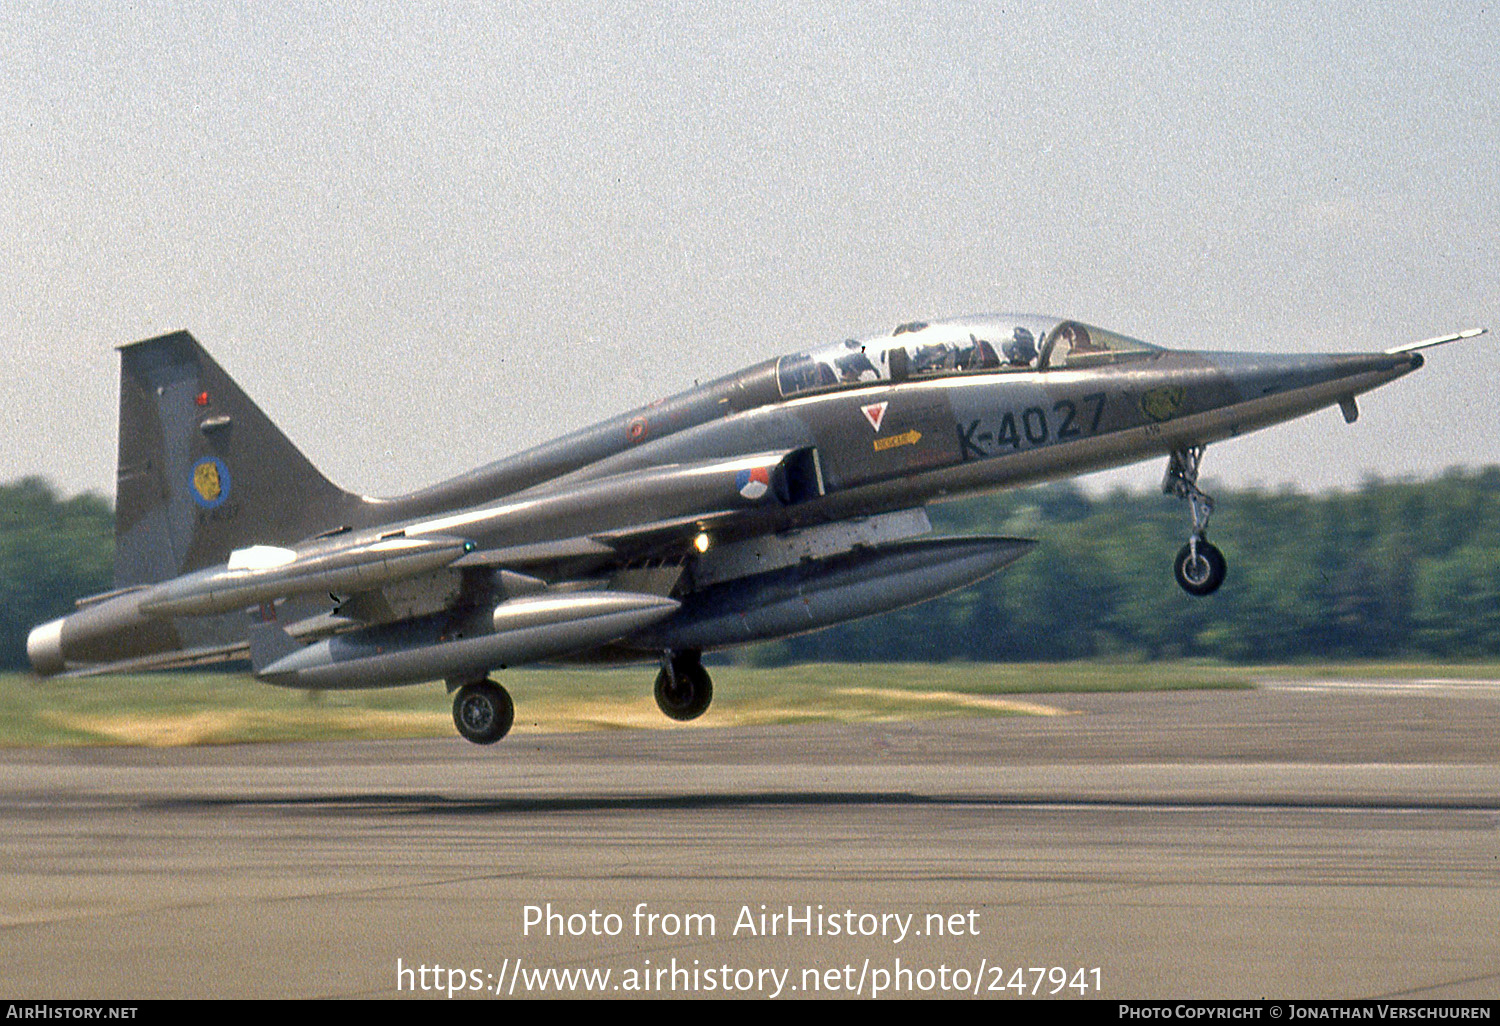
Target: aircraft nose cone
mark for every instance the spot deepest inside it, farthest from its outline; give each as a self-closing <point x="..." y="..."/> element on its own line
<point x="1375" y="368"/>
<point x="1256" y="376"/>
<point x="1379" y="363"/>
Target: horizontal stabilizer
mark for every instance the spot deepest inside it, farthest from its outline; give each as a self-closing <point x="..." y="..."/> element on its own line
<point x="179" y="659"/>
<point x="263" y="573"/>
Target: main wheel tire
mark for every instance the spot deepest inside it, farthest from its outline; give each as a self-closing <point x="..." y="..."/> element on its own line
<point x="689" y="697"/>
<point x="1203" y="575"/>
<point x="483" y="712"/>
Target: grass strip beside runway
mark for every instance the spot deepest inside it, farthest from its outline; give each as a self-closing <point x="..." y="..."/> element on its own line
<point x="223" y="708"/>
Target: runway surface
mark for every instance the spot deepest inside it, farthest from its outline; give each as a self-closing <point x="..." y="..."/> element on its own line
<point x="1307" y="839"/>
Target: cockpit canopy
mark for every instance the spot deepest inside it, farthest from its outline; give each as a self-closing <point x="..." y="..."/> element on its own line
<point x="993" y="343"/>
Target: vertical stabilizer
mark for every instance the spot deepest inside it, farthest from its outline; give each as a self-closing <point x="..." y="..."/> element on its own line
<point x="202" y="470"/>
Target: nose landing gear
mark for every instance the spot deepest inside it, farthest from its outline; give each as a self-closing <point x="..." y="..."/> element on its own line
<point x="1199" y="567"/>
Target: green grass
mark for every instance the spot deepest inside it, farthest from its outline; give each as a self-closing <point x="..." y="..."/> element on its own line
<point x="218" y="708"/>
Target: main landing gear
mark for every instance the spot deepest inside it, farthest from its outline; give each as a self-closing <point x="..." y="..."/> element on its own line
<point x="1199" y="567"/>
<point x="683" y="688"/>
<point x="483" y="712"/>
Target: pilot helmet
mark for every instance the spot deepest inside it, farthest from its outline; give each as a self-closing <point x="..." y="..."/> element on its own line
<point x="1021" y="348"/>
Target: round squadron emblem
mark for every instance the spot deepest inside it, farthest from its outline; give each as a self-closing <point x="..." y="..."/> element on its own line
<point x="210" y="482"/>
<point x="1163" y="403"/>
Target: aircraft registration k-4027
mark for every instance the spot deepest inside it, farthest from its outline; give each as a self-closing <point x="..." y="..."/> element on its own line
<point x="781" y="499"/>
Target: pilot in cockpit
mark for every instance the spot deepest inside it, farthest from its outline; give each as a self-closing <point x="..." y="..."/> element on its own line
<point x="1020" y="350"/>
<point x="1073" y="340"/>
<point x="934" y="357"/>
<point x="854" y="366"/>
<point x="977" y="355"/>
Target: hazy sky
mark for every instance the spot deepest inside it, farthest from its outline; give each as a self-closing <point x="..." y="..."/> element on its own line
<point x="423" y="237"/>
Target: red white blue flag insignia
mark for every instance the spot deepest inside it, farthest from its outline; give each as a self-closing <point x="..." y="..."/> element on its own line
<point x="753" y="483"/>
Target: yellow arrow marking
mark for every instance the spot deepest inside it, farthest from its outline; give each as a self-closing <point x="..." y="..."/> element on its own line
<point x="907" y="438"/>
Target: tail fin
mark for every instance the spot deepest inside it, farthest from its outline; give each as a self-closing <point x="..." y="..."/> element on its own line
<point x="202" y="470"/>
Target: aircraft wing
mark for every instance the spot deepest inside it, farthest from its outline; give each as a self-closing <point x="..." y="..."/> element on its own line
<point x="580" y="552"/>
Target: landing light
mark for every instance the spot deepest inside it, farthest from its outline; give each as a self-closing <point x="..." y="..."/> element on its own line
<point x="701" y="542"/>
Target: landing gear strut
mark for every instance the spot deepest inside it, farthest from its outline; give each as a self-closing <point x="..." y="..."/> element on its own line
<point x="1199" y="567"/>
<point x="483" y="712"/>
<point x="683" y="688"/>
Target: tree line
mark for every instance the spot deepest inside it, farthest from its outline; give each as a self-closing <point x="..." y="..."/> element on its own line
<point x="1393" y="569"/>
<point x="52" y="551"/>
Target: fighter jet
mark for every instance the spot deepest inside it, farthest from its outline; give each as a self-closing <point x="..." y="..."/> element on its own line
<point x="781" y="499"/>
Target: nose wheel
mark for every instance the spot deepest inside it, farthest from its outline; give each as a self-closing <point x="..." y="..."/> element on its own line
<point x="1199" y="567"/>
<point x="483" y="712"/>
<point x="683" y="687"/>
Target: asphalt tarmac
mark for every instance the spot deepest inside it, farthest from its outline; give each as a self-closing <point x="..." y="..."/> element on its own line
<point x="1329" y="839"/>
